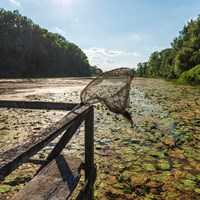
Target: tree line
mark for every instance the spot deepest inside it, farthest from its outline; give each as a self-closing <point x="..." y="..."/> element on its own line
<point x="27" y="50"/>
<point x="181" y="61"/>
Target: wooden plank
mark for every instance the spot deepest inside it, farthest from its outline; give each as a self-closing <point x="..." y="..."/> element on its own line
<point x="55" y="182"/>
<point x="37" y="105"/>
<point x="89" y="150"/>
<point x="19" y="154"/>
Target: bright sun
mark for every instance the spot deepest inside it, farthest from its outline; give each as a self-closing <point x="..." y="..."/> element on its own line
<point x="63" y="4"/>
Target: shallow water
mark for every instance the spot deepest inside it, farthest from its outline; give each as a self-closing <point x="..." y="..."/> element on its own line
<point x="158" y="159"/>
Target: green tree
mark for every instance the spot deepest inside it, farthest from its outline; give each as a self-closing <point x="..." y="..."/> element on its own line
<point x="166" y="65"/>
<point x="154" y="63"/>
<point x="183" y="56"/>
<point x="187" y="47"/>
<point x="141" y="70"/>
<point x="27" y="50"/>
<point x="95" y="70"/>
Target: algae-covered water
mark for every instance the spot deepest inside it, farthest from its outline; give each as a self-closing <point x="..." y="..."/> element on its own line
<point x="160" y="157"/>
<point x="157" y="159"/>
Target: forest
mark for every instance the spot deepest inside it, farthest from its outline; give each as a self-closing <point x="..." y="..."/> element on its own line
<point x="27" y="50"/>
<point x="181" y="61"/>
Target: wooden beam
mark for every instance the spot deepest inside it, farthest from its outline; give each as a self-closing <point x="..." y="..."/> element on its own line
<point x="89" y="185"/>
<point x="19" y="154"/>
<point x="89" y="151"/>
<point x="56" y="181"/>
<point x="37" y="105"/>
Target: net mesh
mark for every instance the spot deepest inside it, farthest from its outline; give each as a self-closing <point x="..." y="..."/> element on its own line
<point x="112" y="89"/>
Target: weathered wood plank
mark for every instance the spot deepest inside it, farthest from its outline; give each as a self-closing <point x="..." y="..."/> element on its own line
<point x="19" y="154"/>
<point x="37" y="105"/>
<point x="89" y="151"/>
<point x="55" y="182"/>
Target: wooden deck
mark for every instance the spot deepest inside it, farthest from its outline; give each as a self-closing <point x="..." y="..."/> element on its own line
<point x="63" y="169"/>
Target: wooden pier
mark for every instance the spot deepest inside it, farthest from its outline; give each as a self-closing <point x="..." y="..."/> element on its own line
<point x="59" y="174"/>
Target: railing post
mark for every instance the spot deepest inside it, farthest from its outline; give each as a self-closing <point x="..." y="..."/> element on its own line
<point x="89" y="148"/>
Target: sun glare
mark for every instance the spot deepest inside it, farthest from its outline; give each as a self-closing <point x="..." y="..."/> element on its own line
<point x="62" y="2"/>
<point x="63" y="5"/>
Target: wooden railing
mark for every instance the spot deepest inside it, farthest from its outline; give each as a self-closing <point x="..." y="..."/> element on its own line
<point x="68" y="125"/>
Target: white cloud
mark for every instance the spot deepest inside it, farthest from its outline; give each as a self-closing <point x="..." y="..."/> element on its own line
<point x="55" y="29"/>
<point x="137" y="36"/>
<point x="108" y="59"/>
<point x="108" y="53"/>
<point x="15" y="3"/>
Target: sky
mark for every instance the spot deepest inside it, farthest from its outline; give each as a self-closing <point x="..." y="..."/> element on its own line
<point x="112" y="33"/>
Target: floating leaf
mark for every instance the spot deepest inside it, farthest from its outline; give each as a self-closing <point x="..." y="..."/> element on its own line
<point x="102" y="185"/>
<point x="149" y="167"/>
<point x="4" y="188"/>
<point x="189" y="184"/>
<point x="136" y="168"/>
<point x="197" y="190"/>
<point x="163" y="164"/>
<point x="190" y="176"/>
<point x="41" y="155"/>
<point x="102" y="176"/>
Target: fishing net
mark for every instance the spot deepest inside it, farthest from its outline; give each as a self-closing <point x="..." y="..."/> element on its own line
<point x="112" y="89"/>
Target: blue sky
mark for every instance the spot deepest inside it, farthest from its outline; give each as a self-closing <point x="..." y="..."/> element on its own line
<point x="112" y="33"/>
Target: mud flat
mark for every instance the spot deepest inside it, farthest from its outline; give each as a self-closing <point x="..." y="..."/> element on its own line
<point x="58" y="89"/>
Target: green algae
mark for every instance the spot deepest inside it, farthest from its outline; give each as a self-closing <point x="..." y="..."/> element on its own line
<point x="174" y="143"/>
<point x="5" y="188"/>
<point x="198" y="177"/>
<point x="163" y="164"/>
<point x="163" y="146"/>
<point x="186" y="167"/>
<point x="149" y="196"/>
<point x="102" y="185"/>
<point x="197" y="190"/>
<point x="190" y="176"/>
<point x="136" y="168"/>
<point x="118" y="186"/>
<point x="102" y="176"/>
<point x="149" y="167"/>
<point x="188" y="184"/>
<point x="161" y="177"/>
<point x="156" y="154"/>
<point x="171" y="195"/>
